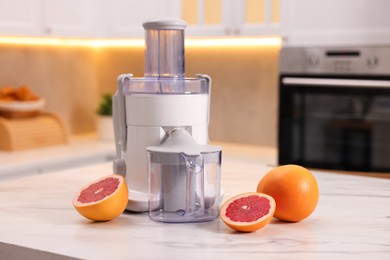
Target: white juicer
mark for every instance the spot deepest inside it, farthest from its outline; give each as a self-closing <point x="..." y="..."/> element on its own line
<point x="147" y="109"/>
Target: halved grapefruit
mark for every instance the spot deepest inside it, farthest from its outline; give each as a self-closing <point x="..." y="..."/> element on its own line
<point x="103" y="199"/>
<point x="248" y="212"/>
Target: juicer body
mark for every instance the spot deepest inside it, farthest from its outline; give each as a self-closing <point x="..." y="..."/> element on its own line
<point x="146" y="119"/>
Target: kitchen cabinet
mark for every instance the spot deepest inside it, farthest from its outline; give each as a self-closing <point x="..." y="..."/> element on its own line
<point x="347" y="22"/>
<point x="20" y="17"/>
<point x="204" y="17"/>
<point x="257" y="17"/>
<point x="71" y="18"/>
<point x="231" y="17"/>
<point x="299" y="22"/>
<point x="126" y="16"/>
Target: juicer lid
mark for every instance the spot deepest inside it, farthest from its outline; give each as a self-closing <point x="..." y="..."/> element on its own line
<point x="168" y="23"/>
<point x="180" y="141"/>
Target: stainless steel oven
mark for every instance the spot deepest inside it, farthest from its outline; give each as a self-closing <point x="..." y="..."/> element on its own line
<point x="334" y="108"/>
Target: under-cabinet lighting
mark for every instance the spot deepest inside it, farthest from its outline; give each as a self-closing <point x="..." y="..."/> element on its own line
<point x="221" y="42"/>
<point x="48" y="41"/>
<point x="215" y="42"/>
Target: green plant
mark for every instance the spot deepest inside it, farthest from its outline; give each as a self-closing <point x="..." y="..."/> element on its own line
<point x="105" y="106"/>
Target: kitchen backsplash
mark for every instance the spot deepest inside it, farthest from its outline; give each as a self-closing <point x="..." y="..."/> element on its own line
<point x="71" y="79"/>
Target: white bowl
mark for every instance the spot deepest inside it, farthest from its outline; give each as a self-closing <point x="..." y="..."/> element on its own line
<point x="22" y="106"/>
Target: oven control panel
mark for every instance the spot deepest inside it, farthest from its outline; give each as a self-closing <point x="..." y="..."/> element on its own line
<point x="336" y="60"/>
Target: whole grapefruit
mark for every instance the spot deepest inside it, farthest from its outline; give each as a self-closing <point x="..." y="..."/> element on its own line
<point x="294" y="189"/>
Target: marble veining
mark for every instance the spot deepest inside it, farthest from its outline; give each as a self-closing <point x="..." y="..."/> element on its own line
<point x="352" y="221"/>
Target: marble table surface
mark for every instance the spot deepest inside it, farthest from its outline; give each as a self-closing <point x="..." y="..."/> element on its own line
<point x="37" y="221"/>
<point x="80" y="151"/>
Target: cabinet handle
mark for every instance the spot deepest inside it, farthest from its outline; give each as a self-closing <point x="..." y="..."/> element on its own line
<point x="232" y="31"/>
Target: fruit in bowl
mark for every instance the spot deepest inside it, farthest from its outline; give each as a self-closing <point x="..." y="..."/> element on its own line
<point x="16" y="102"/>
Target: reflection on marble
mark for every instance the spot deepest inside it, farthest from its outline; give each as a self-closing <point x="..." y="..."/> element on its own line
<point x="352" y="221"/>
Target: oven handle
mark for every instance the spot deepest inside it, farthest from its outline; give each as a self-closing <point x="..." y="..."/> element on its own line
<point x="325" y="82"/>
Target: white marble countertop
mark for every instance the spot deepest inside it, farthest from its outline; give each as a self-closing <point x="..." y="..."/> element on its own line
<point x="37" y="220"/>
<point x="80" y="151"/>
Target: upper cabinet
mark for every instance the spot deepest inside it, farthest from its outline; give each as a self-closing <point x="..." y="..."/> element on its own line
<point x="20" y="17"/>
<point x="204" y="17"/>
<point x="299" y="22"/>
<point x="230" y="17"/>
<point x="124" y="18"/>
<point x="257" y="17"/>
<point x="71" y="18"/>
<point x="335" y="22"/>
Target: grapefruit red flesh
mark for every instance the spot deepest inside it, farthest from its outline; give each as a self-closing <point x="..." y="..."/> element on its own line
<point x="248" y="209"/>
<point x="248" y="212"/>
<point x="98" y="191"/>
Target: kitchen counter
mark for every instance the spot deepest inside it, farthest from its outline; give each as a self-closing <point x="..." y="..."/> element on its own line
<point x="81" y="150"/>
<point x="37" y="220"/>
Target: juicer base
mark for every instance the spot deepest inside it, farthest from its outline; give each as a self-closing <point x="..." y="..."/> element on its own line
<point x="138" y="202"/>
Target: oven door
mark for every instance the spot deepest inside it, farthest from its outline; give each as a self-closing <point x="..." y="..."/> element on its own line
<point x="340" y="123"/>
